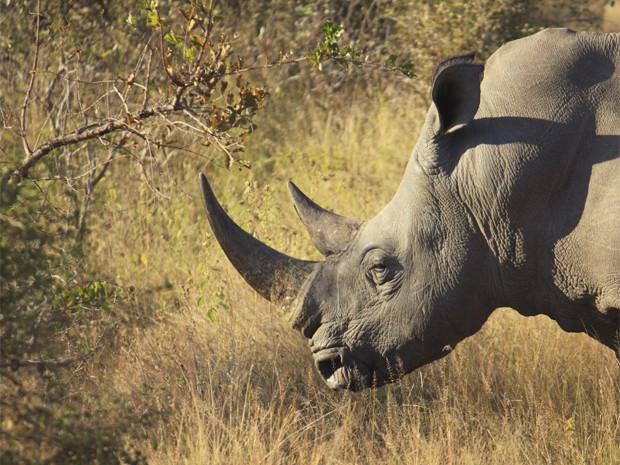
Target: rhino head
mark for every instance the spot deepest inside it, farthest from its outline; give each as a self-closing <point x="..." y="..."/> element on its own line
<point x="397" y="291"/>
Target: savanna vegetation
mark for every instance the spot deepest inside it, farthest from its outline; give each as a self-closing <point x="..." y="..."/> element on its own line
<point x="126" y="336"/>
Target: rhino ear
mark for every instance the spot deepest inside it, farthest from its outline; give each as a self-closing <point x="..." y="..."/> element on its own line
<point x="456" y="91"/>
<point x="329" y="232"/>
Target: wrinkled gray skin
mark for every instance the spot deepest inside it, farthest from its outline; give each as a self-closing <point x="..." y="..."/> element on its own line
<point x="511" y="198"/>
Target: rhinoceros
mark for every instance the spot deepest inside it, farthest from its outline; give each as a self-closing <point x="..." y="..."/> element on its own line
<point x="511" y="198"/>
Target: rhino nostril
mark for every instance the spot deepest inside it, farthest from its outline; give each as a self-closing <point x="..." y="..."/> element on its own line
<point x="328" y="366"/>
<point x="310" y="328"/>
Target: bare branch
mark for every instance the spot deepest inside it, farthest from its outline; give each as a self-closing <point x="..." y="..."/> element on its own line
<point x="122" y="98"/>
<point x="48" y="97"/>
<point x="87" y="132"/>
<point x="145" y="100"/>
<point x="99" y="177"/>
<point x="53" y="363"/>
<point x="33" y="74"/>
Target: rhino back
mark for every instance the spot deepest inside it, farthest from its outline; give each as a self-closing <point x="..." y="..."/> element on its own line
<point x="553" y="75"/>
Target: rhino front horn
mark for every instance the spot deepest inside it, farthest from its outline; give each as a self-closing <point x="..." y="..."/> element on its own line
<point x="275" y="276"/>
<point x="329" y="232"/>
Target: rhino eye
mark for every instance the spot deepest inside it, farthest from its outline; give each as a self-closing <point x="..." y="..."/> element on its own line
<point x="379" y="273"/>
<point x="381" y="267"/>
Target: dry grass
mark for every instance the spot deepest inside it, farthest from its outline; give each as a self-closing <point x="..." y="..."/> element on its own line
<point x="242" y="389"/>
<point x="249" y="394"/>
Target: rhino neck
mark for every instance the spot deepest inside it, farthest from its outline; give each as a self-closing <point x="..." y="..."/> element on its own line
<point x="486" y="182"/>
<point x="462" y="268"/>
<point x="458" y="183"/>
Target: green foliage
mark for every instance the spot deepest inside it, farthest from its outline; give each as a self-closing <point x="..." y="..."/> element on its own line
<point x="49" y="327"/>
<point x="419" y="32"/>
<point x="30" y="274"/>
<point x="428" y="31"/>
<point x="330" y="49"/>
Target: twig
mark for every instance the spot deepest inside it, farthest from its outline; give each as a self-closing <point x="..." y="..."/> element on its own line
<point x="33" y="74"/>
<point x="205" y="40"/>
<point x="122" y="98"/>
<point x="145" y="101"/>
<point x="48" y="97"/>
<point x="53" y="363"/>
<point x="101" y="174"/>
<point x="78" y="81"/>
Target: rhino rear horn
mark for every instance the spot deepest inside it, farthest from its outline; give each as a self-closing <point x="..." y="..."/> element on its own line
<point x="329" y="232"/>
<point x="275" y="276"/>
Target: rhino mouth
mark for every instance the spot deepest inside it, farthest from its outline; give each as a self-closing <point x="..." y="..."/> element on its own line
<point x="341" y="371"/>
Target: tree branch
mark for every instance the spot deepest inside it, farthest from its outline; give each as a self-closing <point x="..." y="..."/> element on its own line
<point x="88" y="132"/>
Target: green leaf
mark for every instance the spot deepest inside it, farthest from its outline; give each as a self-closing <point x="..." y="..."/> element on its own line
<point x="407" y="70"/>
<point x="332" y="30"/>
<point x="172" y="38"/>
<point x="197" y="40"/>
<point x="190" y="53"/>
<point x="349" y="52"/>
<point x="131" y="21"/>
<point x="333" y="49"/>
<point x="391" y="61"/>
<point x="152" y="19"/>
<point x="211" y="315"/>
<point x="315" y="58"/>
